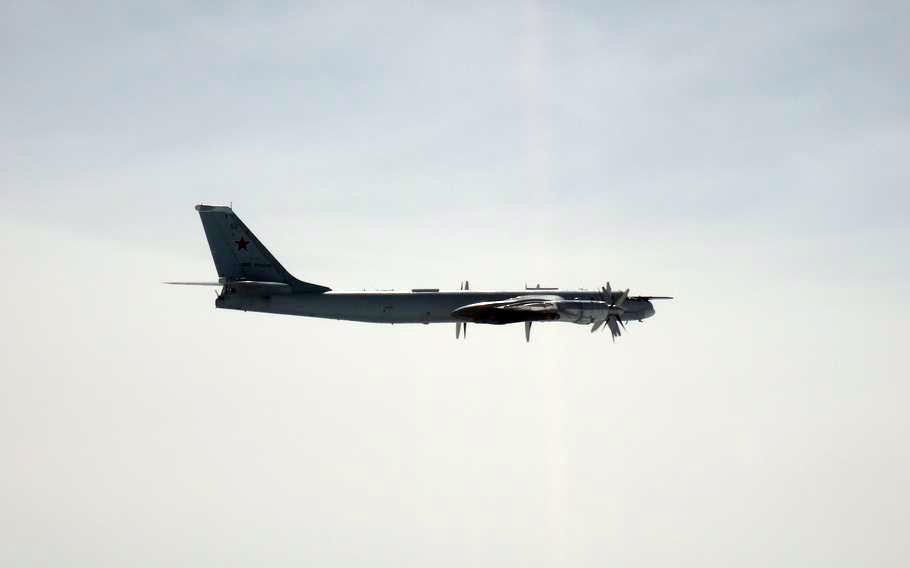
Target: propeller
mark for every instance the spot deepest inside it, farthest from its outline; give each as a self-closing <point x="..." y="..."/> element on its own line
<point x="528" y="332"/>
<point x="615" y="310"/>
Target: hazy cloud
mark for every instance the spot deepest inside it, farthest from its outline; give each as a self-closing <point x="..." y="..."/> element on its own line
<point x="747" y="158"/>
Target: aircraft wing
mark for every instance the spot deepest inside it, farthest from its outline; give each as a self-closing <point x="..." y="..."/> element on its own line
<point x="522" y="308"/>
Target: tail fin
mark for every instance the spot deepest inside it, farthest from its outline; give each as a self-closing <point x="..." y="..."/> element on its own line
<point x="239" y="255"/>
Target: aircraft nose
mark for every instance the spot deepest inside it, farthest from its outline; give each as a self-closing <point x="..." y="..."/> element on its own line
<point x="649" y="309"/>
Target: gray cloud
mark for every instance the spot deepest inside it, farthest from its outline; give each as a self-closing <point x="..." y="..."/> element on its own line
<point x="746" y="158"/>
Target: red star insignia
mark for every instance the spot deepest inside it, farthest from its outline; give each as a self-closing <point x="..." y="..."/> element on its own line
<point x="241" y="244"/>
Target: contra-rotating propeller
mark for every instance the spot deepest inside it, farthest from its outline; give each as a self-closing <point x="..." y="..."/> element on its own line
<point x="614" y="312"/>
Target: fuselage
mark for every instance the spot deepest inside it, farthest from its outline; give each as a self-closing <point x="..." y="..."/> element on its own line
<point x="411" y="306"/>
<point x="252" y="279"/>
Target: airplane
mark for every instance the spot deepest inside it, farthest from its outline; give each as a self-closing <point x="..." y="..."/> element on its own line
<point x="251" y="279"/>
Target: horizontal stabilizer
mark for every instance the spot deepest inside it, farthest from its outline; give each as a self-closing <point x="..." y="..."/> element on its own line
<point x="250" y="287"/>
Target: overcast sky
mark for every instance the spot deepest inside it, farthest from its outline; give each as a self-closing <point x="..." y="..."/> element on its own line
<point x="750" y="159"/>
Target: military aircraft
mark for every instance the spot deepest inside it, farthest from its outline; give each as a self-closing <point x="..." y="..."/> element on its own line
<point x="251" y="279"/>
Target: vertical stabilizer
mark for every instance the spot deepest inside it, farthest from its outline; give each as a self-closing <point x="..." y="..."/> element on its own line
<point x="239" y="255"/>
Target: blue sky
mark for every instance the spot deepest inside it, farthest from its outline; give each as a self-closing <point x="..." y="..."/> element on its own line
<point x="747" y="158"/>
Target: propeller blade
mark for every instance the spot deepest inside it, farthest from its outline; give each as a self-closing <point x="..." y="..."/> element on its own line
<point x="457" y="329"/>
<point x="614" y="329"/>
<point x="467" y="285"/>
<point x="621" y="323"/>
<point x="464" y="328"/>
<point x="597" y="325"/>
<point x="608" y="294"/>
<point x="527" y="332"/>
<point x="622" y="298"/>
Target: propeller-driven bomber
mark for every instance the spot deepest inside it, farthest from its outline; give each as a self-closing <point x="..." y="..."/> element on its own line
<point x="251" y="279"/>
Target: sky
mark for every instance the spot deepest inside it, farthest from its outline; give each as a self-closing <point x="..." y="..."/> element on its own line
<point x="749" y="159"/>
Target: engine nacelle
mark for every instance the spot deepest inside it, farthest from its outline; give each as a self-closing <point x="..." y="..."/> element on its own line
<point x="582" y="312"/>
